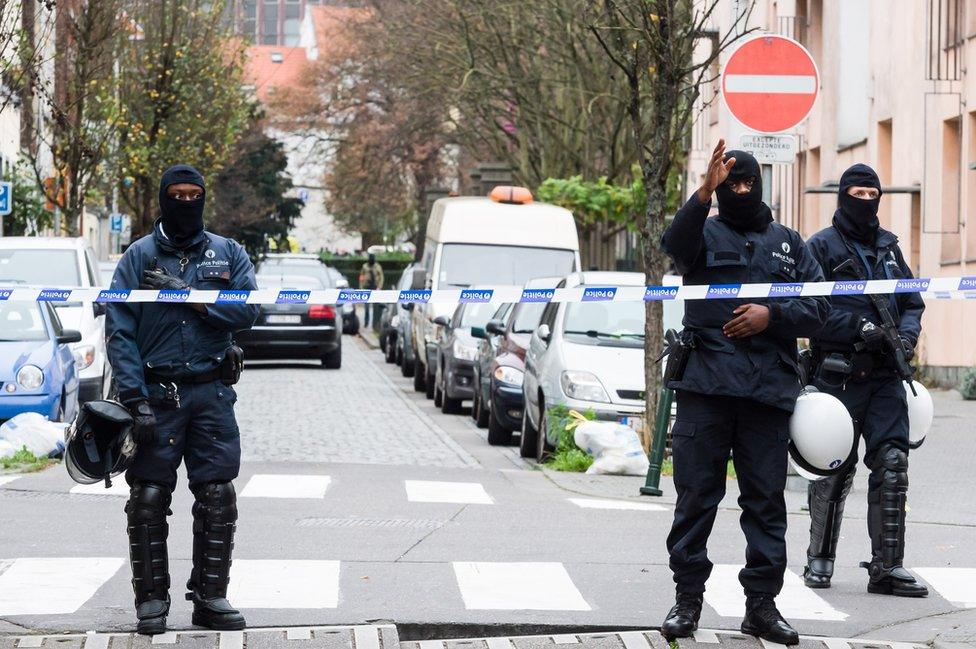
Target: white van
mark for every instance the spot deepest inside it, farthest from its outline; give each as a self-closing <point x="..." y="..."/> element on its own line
<point x="502" y="239"/>
<point x="65" y="262"/>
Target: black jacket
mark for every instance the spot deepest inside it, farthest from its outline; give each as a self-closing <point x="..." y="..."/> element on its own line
<point x="762" y="367"/>
<point x="884" y="261"/>
<point x="174" y="339"/>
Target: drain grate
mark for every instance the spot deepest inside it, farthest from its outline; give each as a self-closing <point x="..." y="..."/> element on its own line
<point x="374" y="523"/>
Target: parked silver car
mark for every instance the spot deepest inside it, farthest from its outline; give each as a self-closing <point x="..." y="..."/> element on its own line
<point x="586" y="356"/>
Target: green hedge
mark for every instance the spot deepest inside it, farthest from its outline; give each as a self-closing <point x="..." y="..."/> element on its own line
<point x="393" y="264"/>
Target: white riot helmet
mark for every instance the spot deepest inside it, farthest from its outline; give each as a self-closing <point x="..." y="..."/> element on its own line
<point x="822" y="439"/>
<point x="920" y="413"/>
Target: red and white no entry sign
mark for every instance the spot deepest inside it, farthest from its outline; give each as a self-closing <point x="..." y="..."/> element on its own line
<point x="770" y="83"/>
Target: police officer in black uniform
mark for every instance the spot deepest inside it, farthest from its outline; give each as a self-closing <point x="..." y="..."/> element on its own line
<point x="854" y="247"/>
<point x="738" y="388"/>
<point x="174" y="364"/>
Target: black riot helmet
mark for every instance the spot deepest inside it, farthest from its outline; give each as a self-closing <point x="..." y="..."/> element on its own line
<point x="98" y="445"/>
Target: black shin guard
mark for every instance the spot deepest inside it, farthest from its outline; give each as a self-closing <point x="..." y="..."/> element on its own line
<point x="147" y="508"/>
<point x="886" y="527"/>
<point x="826" y="499"/>
<point x="214" y="523"/>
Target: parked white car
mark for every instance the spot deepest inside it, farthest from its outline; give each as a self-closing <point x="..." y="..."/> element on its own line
<point x="65" y="262"/>
<point x="586" y="356"/>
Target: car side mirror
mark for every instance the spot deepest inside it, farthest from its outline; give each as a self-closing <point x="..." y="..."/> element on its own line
<point x="69" y="336"/>
<point x="99" y="308"/>
<point x="495" y="327"/>
<point x="478" y="332"/>
<point x="442" y="321"/>
<point x="545" y="334"/>
<point x="419" y="280"/>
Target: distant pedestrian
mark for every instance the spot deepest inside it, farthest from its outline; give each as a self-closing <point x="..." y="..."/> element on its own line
<point x="174" y="365"/>
<point x="370" y="277"/>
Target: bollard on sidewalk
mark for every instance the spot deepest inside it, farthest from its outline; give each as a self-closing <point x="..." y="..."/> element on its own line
<point x="659" y="443"/>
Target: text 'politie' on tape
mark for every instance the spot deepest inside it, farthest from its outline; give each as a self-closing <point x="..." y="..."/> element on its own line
<point x="943" y="288"/>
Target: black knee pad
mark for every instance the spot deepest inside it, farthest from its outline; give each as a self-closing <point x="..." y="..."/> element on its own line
<point x="148" y="503"/>
<point x="834" y="487"/>
<point x="215" y="501"/>
<point x="891" y="466"/>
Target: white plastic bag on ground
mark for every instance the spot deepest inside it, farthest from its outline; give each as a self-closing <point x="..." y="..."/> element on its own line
<point x="615" y="448"/>
<point x="43" y="438"/>
<point x="6" y="449"/>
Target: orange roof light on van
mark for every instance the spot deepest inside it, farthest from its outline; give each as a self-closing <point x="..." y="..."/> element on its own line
<point x="511" y="195"/>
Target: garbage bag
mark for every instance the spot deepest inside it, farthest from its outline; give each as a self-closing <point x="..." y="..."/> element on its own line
<point x="43" y="438"/>
<point x="6" y="449"/>
<point x="616" y="449"/>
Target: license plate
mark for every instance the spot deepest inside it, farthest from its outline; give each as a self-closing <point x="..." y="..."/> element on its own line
<point x="283" y="319"/>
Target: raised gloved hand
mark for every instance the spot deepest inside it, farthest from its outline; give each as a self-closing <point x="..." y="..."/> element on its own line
<point x="144" y="422"/>
<point x="871" y="334"/>
<point x="158" y="279"/>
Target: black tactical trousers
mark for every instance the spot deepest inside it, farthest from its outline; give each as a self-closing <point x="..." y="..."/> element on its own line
<point x="707" y="430"/>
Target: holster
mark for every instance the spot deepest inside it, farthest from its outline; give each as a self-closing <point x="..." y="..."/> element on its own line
<point x="232" y="365"/>
<point x="678" y="346"/>
<point x="833" y="370"/>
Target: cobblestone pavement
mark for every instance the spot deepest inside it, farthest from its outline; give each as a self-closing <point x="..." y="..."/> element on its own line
<point x="300" y="412"/>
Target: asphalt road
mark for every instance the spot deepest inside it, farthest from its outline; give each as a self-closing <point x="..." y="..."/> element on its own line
<point x="360" y="503"/>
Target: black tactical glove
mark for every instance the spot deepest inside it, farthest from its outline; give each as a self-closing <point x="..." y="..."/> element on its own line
<point x="158" y="279"/>
<point x="144" y="422"/>
<point x="871" y="334"/>
<point x="909" y="348"/>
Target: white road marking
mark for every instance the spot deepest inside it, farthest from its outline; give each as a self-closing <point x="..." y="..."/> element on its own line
<point x="768" y="644"/>
<point x="7" y="479"/>
<point x="165" y="638"/>
<point x="517" y="586"/>
<point x="430" y="644"/>
<point x="96" y="640"/>
<point x="366" y="637"/>
<point x="958" y="585"/>
<point x="271" y="583"/>
<point x="231" y="640"/>
<point x="836" y="643"/>
<point x="461" y="493"/>
<point x="30" y="641"/>
<point x="633" y="640"/>
<point x="268" y="485"/>
<point x="498" y="643"/>
<point x="603" y="503"/>
<point x="52" y="586"/>
<point x="565" y="639"/>
<point x="119" y="488"/>
<point x="704" y="636"/>
<point x="724" y="594"/>
<point x="298" y="633"/>
<point x="786" y="84"/>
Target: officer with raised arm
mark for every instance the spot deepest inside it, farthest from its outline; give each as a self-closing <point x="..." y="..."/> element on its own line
<point x="737" y="388"/>
<point x="175" y="364"/>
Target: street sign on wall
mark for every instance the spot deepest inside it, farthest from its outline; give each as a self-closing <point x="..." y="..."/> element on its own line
<point x="6" y="198"/>
<point x="770" y="84"/>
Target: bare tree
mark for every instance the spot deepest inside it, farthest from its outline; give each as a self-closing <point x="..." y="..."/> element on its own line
<point x="653" y="44"/>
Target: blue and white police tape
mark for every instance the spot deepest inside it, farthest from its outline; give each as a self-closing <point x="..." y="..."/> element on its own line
<point x="935" y="288"/>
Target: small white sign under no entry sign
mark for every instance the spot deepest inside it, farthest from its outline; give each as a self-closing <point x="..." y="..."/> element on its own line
<point x="770" y="149"/>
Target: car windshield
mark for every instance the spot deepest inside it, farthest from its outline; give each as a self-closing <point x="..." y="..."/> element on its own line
<point x="292" y="267"/>
<point x="468" y="264"/>
<point x="606" y="323"/>
<point x="21" y="321"/>
<point x="476" y="315"/>
<point x="302" y="282"/>
<point x="527" y="317"/>
<point x="40" y="267"/>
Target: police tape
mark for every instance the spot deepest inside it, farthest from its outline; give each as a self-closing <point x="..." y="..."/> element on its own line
<point x="942" y="288"/>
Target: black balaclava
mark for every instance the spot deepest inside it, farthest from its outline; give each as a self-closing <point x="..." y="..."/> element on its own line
<point x="743" y="211"/>
<point x="182" y="220"/>
<point x="857" y="218"/>
<point x="371" y="259"/>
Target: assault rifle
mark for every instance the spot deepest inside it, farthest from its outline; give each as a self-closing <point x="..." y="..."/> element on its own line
<point x="892" y="341"/>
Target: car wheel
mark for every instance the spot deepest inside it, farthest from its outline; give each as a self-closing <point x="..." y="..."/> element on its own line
<point x="398" y="355"/>
<point x="418" y="375"/>
<point x="406" y="369"/>
<point x="474" y="400"/>
<point x="449" y="405"/>
<point x="529" y="438"/>
<point x="482" y="413"/>
<point x="430" y="384"/>
<point x="543" y="449"/>
<point x="333" y="360"/>
<point x="498" y="435"/>
<point x="390" y="351"/>
<point x="383" y="344"/>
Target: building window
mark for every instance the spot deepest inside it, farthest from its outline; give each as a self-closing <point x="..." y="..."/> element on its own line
<point x="971" y="191"/>
<point x="269" y="23"/>
<point x="884" y="171"/>
<point x="951" y="153"/>
<point x="944" y="36"/>
<point x="249" y="24"/>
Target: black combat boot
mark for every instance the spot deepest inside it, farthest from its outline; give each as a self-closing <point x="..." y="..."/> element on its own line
<point x="826" y="498"/>
<point x="886" y="526"/>
<point x="682" y="619"/>
<point x="147" y="509"/>
<point x="214" y="518"/>
<point x="763" y="620"/>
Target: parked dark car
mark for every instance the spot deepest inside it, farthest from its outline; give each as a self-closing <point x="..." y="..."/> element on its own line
<point x="305" y="264"/>
<point x="287" y="331"/>
<point x="350" y="320"/>
<point x="390" y="320"/>
<point x="457" y="354"/>
<point x="499" y="404"/>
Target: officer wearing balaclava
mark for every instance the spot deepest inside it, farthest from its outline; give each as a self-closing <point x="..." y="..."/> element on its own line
<point x="174" y="365"/>
<point x="855" y="247"/>
<point x="737" y="388"/>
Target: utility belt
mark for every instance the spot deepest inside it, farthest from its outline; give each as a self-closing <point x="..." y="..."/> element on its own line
<point x="835" y="369"/>
<point x="165" y="388"/>
<point x="678" y="346"/>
